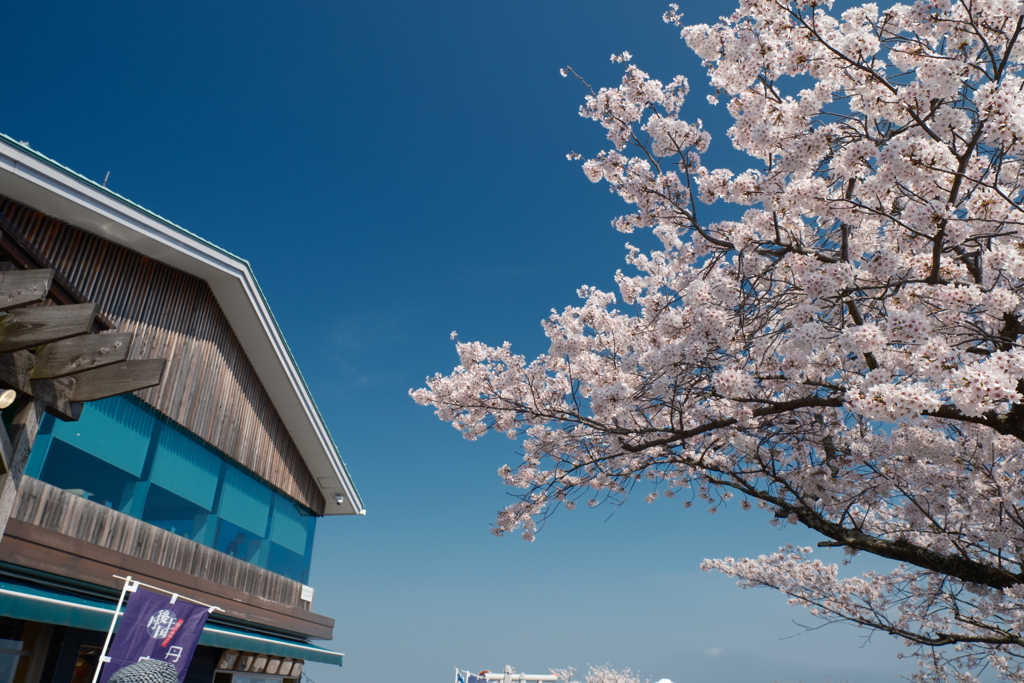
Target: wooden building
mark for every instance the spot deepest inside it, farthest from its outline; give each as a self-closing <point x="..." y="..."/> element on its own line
<point x="208" y="482"/>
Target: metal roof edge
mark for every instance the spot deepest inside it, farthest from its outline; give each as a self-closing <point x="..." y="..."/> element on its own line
<point x="93" y="198"/>
<point x="24" y="147"/>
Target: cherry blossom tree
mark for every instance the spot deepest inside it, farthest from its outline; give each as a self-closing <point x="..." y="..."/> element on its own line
<point x="846" y="353"/>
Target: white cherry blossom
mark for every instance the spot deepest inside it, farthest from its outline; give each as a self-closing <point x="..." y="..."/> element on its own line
<point x="844" y="352"/>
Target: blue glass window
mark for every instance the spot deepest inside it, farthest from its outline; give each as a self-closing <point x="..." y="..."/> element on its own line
<point x="115" y="432"/>
<point x="245" y="502"/>
<point x="289" y="527"/>
<point x="125" y="455"/>
<point x="185" y="467"/>
<point x="291" y="537"/>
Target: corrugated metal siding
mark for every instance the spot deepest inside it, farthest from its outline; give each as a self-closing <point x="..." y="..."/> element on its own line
<point x="210" y="387"/>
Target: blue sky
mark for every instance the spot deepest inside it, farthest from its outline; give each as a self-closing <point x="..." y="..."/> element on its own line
<point x="395" y="171"/>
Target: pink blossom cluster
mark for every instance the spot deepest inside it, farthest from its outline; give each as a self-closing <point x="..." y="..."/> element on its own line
<point x="844" y="353"/>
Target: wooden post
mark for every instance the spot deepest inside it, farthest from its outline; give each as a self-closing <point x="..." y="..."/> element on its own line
<point x="14" y="450"/>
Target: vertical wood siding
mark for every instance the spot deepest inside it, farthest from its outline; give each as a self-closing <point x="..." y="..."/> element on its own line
<point x="210" y="387"/>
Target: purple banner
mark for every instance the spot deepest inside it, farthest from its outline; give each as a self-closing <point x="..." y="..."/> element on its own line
<point x="155" y="628"/>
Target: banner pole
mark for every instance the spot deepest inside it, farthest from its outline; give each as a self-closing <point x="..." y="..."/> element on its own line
<point x="110" y="632"/>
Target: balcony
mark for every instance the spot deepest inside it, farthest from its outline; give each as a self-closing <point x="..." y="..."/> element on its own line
<point x="56" y="531"/>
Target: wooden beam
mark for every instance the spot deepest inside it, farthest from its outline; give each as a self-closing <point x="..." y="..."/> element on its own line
<point x="23" y="287"/>
<point x="28" y="256"/>
<point x="55" y="394"/>
<point x="14" y="369"/>
<point x="63" y="396"/>
<point x="24" y="328"/>
<point x="119" y="378"/>
<point x="78" y="354"/>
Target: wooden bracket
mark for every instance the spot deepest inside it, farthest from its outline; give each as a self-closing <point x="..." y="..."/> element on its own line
<point x="69" y="365"/>
<point x="54" y="393"/>
<point x="78" y="354"/>
<point x="119" y="378"/>
<point x="25" y="328"/>
<point x="24" y="287"/>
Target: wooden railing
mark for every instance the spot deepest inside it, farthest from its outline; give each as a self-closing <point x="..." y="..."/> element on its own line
<point x="52" y="508"/>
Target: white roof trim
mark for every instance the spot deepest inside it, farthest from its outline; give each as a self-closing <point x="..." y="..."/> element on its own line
<point x="36" y="181"/>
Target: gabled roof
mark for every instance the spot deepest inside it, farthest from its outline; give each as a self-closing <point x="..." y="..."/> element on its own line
<point x="41" y="183"/>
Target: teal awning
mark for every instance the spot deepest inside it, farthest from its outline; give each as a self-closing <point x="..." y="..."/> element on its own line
<point x="229" y="638"/>
<point x="51" y="605"/>
<point x="34" y="602"/>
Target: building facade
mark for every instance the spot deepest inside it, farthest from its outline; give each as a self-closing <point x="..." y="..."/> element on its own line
<point x="195" y="461"/>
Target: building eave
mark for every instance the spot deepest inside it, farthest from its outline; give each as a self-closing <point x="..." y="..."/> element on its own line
<point x="37" y="181"/>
